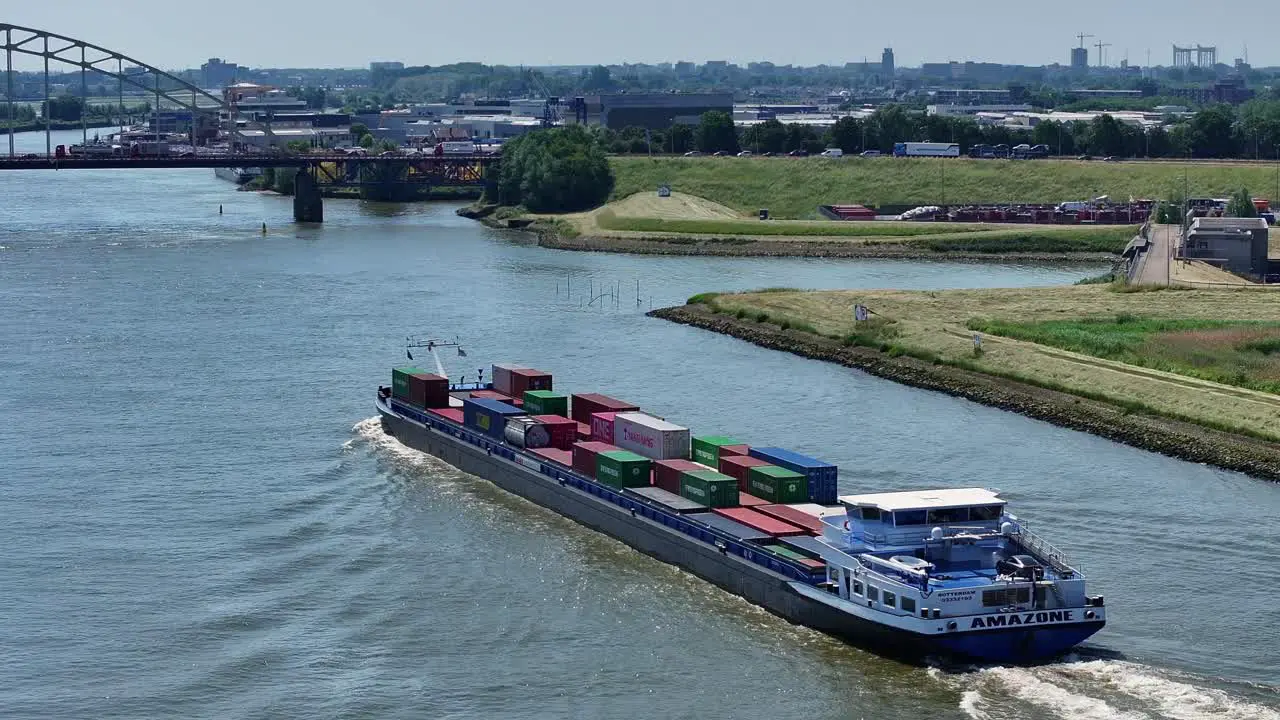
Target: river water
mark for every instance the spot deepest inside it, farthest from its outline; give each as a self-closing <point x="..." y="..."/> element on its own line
<point x="201" y="518"/>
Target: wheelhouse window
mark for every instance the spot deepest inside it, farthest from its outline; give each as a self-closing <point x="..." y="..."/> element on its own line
<point x="872" y="593"/>
<point x="909" y="517"/>
<point x="890" y="599"/>
<point x="1006" y="596"/>
<point x="870" y="513"/>
<point x="908" y="604"/>
<point x="985" y="512"/>
<point x="948" y="515"/>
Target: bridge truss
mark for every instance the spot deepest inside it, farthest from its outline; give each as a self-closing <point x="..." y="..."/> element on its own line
<point x="90" y="57"/>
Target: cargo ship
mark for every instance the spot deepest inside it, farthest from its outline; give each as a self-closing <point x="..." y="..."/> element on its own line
<point x="946" y="574"/>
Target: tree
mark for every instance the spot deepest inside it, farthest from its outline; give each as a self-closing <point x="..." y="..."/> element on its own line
<point x="847" y="134"/>
<point x="555" y="170"/>
<point x="366" y="141"/>
<point x="597" y="78"/>
<point x="680" y="139"/>
<point x="1105" y="136"/>
<point x="1211" y="132"/>
<point x="716" y="132"/>
<point x="359" y="130"/>
<point x="298" y="147"/>
<point x="768" y="136"/>
<point x="66" y="108"/>
<point x="1241" y="205"/>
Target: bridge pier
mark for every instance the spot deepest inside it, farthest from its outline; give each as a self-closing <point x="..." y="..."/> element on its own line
<point x="308" y="206"/>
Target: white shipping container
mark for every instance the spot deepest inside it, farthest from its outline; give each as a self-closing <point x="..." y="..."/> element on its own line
<point x="651" y="437"/>
<point x="502" y="376"/>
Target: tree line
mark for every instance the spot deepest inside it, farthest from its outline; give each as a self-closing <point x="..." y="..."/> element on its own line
<point x="1218" y="131"/>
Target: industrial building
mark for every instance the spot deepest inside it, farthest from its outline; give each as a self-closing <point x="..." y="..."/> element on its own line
<point x="216" y="73"/>
<point x="1238" y="245"/>
<point x="655" y="111"/>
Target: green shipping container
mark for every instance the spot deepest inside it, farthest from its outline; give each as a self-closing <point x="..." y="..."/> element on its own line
<point x="709" y="488"/>
<point x="400" y="381"/>
<point x="623" y="469"/>
<point x="777" y="485"/>
<point x="786" y="552"/>
<point x="545" y="402"/>
<point x="706" y="450"/>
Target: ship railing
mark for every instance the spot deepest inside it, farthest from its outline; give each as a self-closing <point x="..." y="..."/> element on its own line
<point x="1040" y="547"/>
<point x="917" y="578"/>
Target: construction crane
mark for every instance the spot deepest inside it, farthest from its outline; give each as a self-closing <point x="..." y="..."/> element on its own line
<point x="1101" y="58"/>
<point x="1082" y="36"/>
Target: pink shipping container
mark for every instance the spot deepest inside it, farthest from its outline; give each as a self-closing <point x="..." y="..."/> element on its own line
<point x="736" y="467"/>
<point x="502" y="377"/>
<point x="561" y="457"/>
<point x="454" y="414"/>
<point x="791" y="515"/>
<point x="666" y="473"/>
<point x="760" y="521"/>
<point x="648" y="436"/>
<point x="750" y="501"/>
<point x="584" y="405"/>
<point x="584" y="456"/>
<point x="740" y="450"/>
<point x="563" y="431"/>
<point x="602" y="427"/>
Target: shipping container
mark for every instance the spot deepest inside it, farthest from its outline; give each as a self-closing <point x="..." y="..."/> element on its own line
<point x="454" y="414"/>
<point x="734" y="450"/>
<point x="563" y="431"/>
<point x="419" y="388"/>
<point x="799" y="518"/>
<point x="777" y="484"/>
<point x="584" y="405"/>
<point x="602" y="427"/>
<point x="760" y="521"/>
<point x="736" y="467"/>
<point x="560" y="457"/>
<point x="488" y="416"/>
<point x="650" y="437"/>
<point x="584" y="456"/>
<point x="622" y="468"/>
<point x="666" y="473"/>
<point x="729" y="527"/>
<point x="495" y="395"/>
<point x="709" y="488"/>
<point x="501" y="376"/>
<point x="400" y="381"/>
<point x="706" y="449"/>
<point x="668" y="500"/>
<point x="751" y="501"/>
<point x="524" y="379"/>
<point x="584" y="431"/>
<point x="822" y="476"/>
<point x="784" y="551"/>
<point x="806" y="545"/>
<point x="526" y="432"/>
<point x="545" y="402"/>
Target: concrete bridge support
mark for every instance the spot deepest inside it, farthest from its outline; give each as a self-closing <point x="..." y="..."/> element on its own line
<point x="308" y="206"/>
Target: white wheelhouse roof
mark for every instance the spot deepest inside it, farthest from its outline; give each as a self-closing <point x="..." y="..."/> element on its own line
<point x="924" y="499"/>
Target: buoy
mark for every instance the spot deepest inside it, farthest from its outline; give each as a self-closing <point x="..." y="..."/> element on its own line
<point x="264" y="228"/>
<point x="219" y="209"/>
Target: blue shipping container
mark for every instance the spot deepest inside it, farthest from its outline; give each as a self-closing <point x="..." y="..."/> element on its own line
<point x="724" y="524"/>
<point x="822" y="475"/>
<point x="488" y="416"/>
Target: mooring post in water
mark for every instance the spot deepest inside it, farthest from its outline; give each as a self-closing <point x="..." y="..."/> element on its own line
<point x="307" y="203"/>
<point x="264" y="229"/>
<point x="219" y="209"/>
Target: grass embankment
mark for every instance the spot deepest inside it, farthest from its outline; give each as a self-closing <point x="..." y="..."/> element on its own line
<point x="1199" y="356"/>
<point x="794" y="187"/>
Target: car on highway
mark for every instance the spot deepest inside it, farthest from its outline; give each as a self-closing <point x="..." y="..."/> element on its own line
<point x="693" y="153"/>
<point x="869" y="153"/>
<point x="798" y="153"/>
<point x="745" y="153"/>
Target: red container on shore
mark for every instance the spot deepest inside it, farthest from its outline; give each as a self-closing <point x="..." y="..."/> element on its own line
<point x="563" y="431"/>
<point x="584" y="456"/>
<point x="736" y="467"/>
<point x="750" y="501"/>
<point x="527" y="379"/>
<point x="495" y="395"/>
<point x="560" y="457"/>
<point x="760" y="521"/>
<point x="666" y="473"/>
<point x="738" y="450"/>
<point x="454" y="414"/>
<point x="791" y="515"/>
<point x="602" y="426"/>
<point x="584" y="431"/>
<point x="584" y="405"/>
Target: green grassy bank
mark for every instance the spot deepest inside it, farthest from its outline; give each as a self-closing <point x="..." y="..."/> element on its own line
<point x="794" y="187"/>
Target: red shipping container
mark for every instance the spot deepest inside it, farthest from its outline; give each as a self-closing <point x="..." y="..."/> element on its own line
<point x="584" y="405"/>
<point x="760" y="521"/>
<point x="602" y="426"/>
<point x="751" y="501"/>
<point x="666" y="473"/>
<point x="795" y="517"/>
<point x="812" y="564"/>
<point x="453" y="414"/>
<point x="736" y="466"/>
<point x="740" y="450"/>
<point x="528" y="379"/>
<point x="584" y="456"/>
<point x="495" y="395"/>
<point x="428" y="391"/>
<point x="563" y="431"/>
<point x="560" y="457"/>
<point x="584" y="431"/>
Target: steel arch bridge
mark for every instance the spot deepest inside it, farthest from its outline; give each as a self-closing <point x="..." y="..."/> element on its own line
<point x="90" y="57"/>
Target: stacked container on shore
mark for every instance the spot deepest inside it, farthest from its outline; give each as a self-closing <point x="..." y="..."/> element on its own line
<point x="649" y="436"/>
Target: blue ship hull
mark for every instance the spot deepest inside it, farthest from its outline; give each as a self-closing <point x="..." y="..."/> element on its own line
<point x="1016" y="646"/>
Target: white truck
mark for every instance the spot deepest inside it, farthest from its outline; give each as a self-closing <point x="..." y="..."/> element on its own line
<point x="832" y="153"/>
<point x="926" y="149"/>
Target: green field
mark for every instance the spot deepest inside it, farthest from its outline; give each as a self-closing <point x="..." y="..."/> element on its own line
<point x="1240" y="353"/>
<point x="794" y="187"/>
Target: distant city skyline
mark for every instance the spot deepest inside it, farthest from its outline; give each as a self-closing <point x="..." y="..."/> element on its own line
<point x="336" y="33"/>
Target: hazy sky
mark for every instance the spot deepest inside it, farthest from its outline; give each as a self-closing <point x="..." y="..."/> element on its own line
<point x="344" y="33"/>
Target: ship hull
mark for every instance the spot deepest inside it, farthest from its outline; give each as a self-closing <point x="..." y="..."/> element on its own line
<point x="770" y="590"/>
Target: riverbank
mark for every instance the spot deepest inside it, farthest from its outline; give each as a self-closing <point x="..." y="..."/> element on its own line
<point x="921" y="339"/>
<point x="58" y="125"/>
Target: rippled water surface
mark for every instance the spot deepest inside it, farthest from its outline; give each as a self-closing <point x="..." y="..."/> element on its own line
<point x="201" y="519"/>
